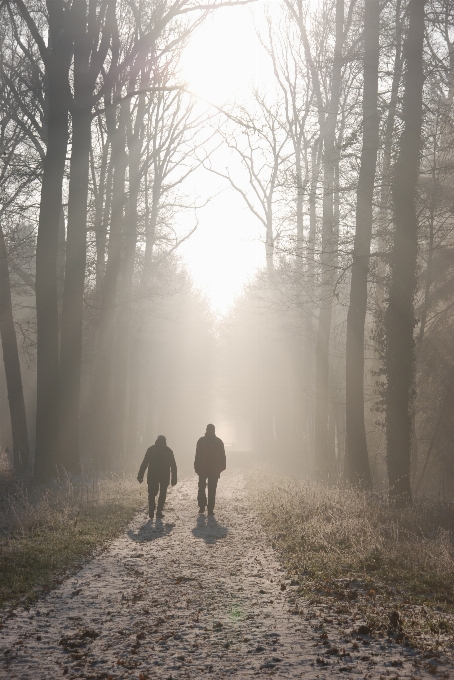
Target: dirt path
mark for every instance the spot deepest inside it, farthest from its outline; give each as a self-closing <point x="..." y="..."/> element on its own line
<point x="191" y="596"/>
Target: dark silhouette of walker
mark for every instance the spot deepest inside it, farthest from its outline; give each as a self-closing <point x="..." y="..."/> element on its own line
<point x="160" y="461"/>
<point x="209" y="463"/>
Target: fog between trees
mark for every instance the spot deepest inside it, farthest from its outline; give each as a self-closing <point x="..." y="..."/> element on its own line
<point x="335" y="361"/>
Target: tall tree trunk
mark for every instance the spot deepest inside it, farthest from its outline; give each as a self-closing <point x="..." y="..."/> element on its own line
<point x="124" y="316"/>
<point x="334" y="387"/>
<point x="101" y="392"/>
<point x="101" y="233"/>
<point x="383" y="216"/>
<point x="357" y="462"/>
<point x="61" y="259"/>
<point x="72" y="314"/>
<point x="429" y="275"/>
<point x="136" y="379"/>
<point x="300" y="191"/>
<point x="269" y="246"/>
<point x="325" y="461"/>
<point x="138" y="383"/>
<point x="19" y="431"/>
<point x="302" y="354"/>
<point x="399" y="316"/>
<point x="102" y="201"/>
<point x="315" y="173"/>
<point x="310" y="279"/>
<point x="47" y="359"/>
<point x="136" y="398"/>
<point x="88" y="61"/>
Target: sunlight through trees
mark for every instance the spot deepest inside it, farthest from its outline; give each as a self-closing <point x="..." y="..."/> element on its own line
<point x="334" y="361"/>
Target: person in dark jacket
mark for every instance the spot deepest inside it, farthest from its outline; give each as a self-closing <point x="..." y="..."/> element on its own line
<point x="209" y="463"/>
<point x="160" y="461"/>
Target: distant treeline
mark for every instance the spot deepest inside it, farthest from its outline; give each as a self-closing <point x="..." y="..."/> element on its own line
<point x="346" y="370"/>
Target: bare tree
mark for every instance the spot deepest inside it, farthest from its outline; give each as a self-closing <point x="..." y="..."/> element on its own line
<point x="176" y="141"/>
<point x="261" y="143"/>
<point x="11" y="185"/>
<point x="399" y="316"/>
<point x="93" y="33"/>
<point x="328" y="112"/>
<point x="357" y="461"/>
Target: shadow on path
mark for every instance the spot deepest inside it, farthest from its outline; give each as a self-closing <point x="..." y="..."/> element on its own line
<point x="209" y="530"/>
<point x="148" y="532"/>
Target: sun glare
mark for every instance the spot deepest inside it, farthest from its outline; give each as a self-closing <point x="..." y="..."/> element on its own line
<point x="221" y="62"/>
<point x="226" y="249"/>
<point x="222" y="65"/>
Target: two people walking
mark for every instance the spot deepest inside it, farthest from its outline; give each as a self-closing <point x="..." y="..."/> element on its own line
<point x="209" y="462"/>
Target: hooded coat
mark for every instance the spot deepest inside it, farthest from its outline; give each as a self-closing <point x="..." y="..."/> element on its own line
<point x="210" y="458"/>
<point x="160" y="461"/>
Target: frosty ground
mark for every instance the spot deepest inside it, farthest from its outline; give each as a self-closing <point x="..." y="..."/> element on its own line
<point x="189" y="596"/>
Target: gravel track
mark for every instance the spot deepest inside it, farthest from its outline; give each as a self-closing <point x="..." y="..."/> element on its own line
<point x="190" y="596"/>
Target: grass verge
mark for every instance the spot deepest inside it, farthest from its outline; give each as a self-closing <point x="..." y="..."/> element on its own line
<point x="390" y="571"/>
<point x="44" y="532"/>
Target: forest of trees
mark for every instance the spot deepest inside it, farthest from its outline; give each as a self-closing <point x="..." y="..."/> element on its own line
<point x="335" y="361"/>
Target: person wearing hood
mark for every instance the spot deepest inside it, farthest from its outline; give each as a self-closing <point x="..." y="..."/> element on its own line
<point x="209" y="463"/>
<point x="160" y="461"/>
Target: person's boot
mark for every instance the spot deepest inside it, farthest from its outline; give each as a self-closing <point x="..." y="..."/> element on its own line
<point x="210" y="512"/>
<point x="151" y="514"/>
<point x="201" y="510"/>
<point x="159" y="514"/>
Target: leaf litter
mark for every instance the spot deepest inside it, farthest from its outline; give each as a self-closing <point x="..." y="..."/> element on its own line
<point x="191" y="596"/>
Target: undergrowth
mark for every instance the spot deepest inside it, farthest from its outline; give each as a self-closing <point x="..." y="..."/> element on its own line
<point x="392" y="569"/>
<point x="46" y="531"/>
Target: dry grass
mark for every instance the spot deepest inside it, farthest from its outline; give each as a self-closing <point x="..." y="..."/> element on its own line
<point x="395" y="568"/>
<point x="46" y="531"/>
<point x="6" y="463"/>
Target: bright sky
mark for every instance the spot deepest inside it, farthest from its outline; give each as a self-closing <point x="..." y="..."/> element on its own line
<point x="222" y="63"/>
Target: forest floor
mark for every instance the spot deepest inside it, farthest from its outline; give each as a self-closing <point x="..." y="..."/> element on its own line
<point x="189" y="596"/>
<point x="48" y="530"/>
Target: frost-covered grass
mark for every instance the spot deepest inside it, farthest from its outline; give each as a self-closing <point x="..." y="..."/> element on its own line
<point x="353" y="548"/>
<point x="44" y="531"/>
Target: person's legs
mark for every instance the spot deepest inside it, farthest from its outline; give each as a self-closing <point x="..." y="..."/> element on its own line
<point x="212" y="486"/>
<point x="201" y="496"/>
<point x="162" y="498"/>
<point x="152" y="491"/>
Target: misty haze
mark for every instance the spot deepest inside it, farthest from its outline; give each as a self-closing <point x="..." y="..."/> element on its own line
<point x="226" y="294"/>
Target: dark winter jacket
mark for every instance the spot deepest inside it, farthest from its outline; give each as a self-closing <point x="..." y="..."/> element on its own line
<point x="160" y="461"/>
<point x="210" y="456"/>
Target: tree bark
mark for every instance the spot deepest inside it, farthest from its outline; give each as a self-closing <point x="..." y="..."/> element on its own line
<point x="17" y="411"/>
<point x="429" y="275"/>
<point x="124" y="317"/>
<point x="137" y="382"/>
<point x="47" y="360"/>
<point x="357" y="463"/>
<point x="72" y="313"/>
<point x="325" y="460"/>
<point x="102" y="202"/>
<point x="101" y="392"/>
<point x="399" y="315"/>
<point x="383" y="216"/>
<point x="88" y="61"/>
<point x="315" y="173"/>
<point x="269" y="247"/>
<point x="300" y="192"/>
